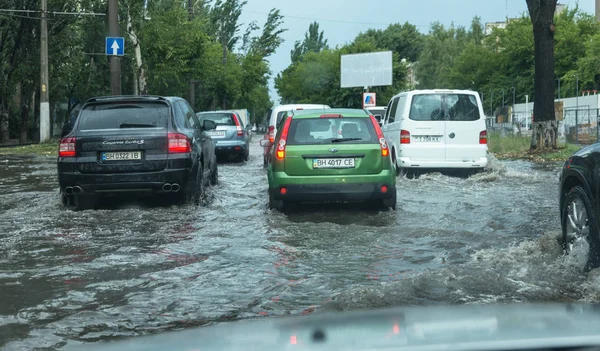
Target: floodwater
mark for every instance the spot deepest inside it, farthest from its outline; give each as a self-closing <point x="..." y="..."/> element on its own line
<point x="136" y="268"/>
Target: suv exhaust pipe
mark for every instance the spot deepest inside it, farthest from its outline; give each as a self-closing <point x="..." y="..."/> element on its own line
<point x="68" y="190"/>
<point x="175" y="187"/>
<point x="166" y="187"/>
<point x="77" y="190"/>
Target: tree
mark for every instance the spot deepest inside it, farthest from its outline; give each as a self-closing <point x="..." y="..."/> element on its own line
<point x="135" y="9"/>
<point x="441" y="49"/>
<point x="316" y="78"/>
<point x="403" y="39"/>
<point x="545" y="126"/>
<point x="314" y="41"/>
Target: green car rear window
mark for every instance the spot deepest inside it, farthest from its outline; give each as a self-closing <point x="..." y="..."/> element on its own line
<point x="307" y="131"/>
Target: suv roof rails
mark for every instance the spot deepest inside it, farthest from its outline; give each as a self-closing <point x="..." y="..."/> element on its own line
<point x="126" y="97"/>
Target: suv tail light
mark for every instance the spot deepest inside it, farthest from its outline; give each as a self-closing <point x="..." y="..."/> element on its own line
<point x="283" y="139"/>
<point x="238" y="126"/>
<point x="67" y="147"/>
<point x="272" y="133"/>
<point x="404" y="137"/>
<point x="385" y="151"/>
<point x="483" y="137"/>
<point x="178" y="143"/>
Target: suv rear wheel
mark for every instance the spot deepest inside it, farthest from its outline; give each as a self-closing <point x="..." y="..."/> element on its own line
<point x="214" y="175"/>
<point x="83" y="202"/>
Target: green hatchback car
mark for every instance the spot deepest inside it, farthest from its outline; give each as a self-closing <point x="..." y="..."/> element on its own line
<point x="334" y="155"/>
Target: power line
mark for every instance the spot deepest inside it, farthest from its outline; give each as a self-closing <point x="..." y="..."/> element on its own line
<point x="54" y="12"/>
<point x="18" y="16"/>
<point x="336" y="21"/>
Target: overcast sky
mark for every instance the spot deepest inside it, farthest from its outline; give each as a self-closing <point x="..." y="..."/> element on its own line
<point x="342" y="20"/>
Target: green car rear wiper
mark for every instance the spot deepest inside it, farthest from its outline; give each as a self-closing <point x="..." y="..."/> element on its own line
<point x="341" y="140"/>
<point x="136" y="125"/>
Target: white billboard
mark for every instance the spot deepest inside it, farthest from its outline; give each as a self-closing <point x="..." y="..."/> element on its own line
<point x="366" y="70"/>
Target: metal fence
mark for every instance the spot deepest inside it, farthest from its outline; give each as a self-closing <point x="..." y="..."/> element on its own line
<point x="578" y="126"/>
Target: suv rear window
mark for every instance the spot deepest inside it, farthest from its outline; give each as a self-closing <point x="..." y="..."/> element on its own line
<point x="444" y="107"/>
<point x="221" y="118"/>
<point x="118" y="115"/>
<point x="306" y="131"/>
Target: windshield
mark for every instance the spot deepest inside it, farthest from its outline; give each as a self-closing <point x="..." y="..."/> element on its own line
<point x="124" y="115"/>
<point x="149" y="182"/>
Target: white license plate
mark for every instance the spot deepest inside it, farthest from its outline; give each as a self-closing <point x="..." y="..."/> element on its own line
<point x="216" y="133"/>
<point x="427" y="138"/>
<point x="333" y="163"/>
<point x="121" y="156"/>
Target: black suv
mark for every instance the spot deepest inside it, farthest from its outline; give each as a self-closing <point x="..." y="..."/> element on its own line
<point x="136" y="145"/>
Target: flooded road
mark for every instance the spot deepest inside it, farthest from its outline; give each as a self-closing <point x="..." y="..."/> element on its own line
<point x="138" y="268"/>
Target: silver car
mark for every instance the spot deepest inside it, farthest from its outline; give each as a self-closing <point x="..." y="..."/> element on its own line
<point x="232" y="137"/>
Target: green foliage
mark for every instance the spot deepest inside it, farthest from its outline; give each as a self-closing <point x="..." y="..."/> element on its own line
<point x="455" y="57"/>
<point x="231" y="71"/>
<point x="316" y="78"/>
<point x="403" y="39"/>
<point x="313" y="42"/>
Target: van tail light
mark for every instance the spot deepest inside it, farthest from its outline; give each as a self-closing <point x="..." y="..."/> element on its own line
<point x="385" y="151"/>
<point x="404" y="137"/>
<point x="238" y="126"/>
<point x="67" y="147"/>
<point x="272" y="133"/>
<point x="178" y="143"/>
<point x="283" y="139"/>
<point x="483" y="137"/>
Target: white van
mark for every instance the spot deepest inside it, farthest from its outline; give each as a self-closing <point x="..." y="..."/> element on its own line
<point x="277" y="115"/>
<point x="436" y="129"/>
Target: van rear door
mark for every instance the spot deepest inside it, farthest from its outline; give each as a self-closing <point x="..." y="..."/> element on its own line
<point x="427" y="127"/>
<point x="463" y="127"/>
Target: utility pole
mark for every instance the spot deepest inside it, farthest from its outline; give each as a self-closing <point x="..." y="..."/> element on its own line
<point x="115" y="61"/>
<point x="192" y="83"/>
<point x="577" y="109"/>
<point x="512" y="109"/>
<point x="598" y="10"/>
<point x="44" y="96"/>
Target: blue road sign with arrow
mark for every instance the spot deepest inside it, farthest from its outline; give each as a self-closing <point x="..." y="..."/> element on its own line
<point x="115" y="46"/>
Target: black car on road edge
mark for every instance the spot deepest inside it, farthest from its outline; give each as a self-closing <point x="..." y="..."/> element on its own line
<point x="142" y="145"/>
<point x="579" y="200"/>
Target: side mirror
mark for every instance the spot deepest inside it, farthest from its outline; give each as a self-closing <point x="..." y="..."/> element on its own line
<point x="207" y="124"/>
<point x="265" y="142"/>
<point x="66" y="129"/>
